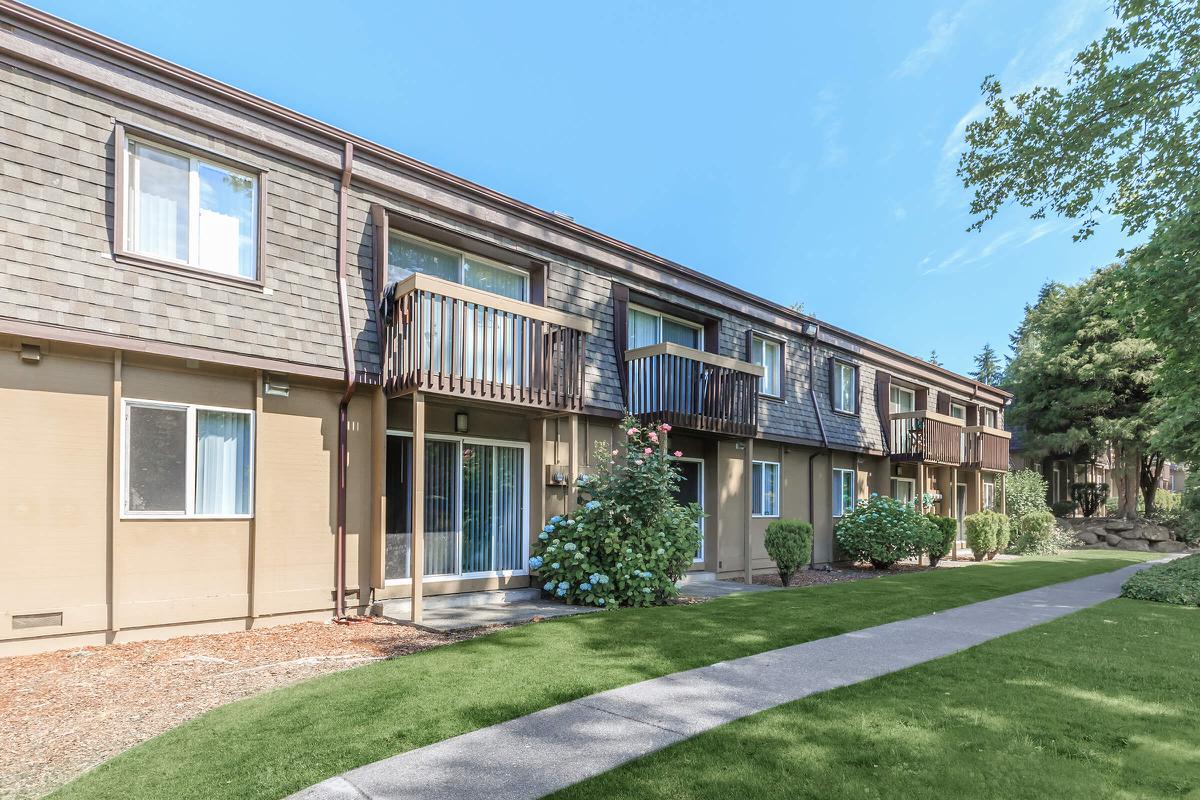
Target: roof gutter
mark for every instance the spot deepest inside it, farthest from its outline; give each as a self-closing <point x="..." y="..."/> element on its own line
<point x="339" y="556"/>
<point x="812" y="393"/>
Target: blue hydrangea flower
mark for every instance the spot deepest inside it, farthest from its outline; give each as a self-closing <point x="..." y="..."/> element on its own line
<point x="594" y="577"/>
<point x="564" y="585"/>
<point x="543" y="536"/>
<point x="648" y="575"/>
<point x="646" y="590"/>
<point x="561" y="592"/>
<point x="661" y="551"/>
<point x="548" y="529"/>
<point x="599" y="601"/>
<point x="592" y="505"/>
<point x="549" y="586"/>
<point x="585" y="587"/>
<point x="535" y="562"/>
<point x="556" y="518"/>
<point x="569" y="546"/>
<point x="603" y="579"/>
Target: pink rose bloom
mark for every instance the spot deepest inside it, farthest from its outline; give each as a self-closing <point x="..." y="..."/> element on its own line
<point x="665" y="428"/>
<point x="678" y="454"/>
<point x="616" y="452"/>
<point x="647" y="451"/>
<point x="633" y="431"/>
<point x="638" y="462"/>
<point x="654" y="437"/>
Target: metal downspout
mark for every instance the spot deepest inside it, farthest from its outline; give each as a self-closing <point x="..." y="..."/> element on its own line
<point x="339" y="557"/>
<point x="812" y="393"/>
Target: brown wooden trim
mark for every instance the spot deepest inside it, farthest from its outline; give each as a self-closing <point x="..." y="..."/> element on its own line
<point x="456" y="239"/>
<point x="620" y="310"/>
<point x="782" y="341"/>
<point x="121" y="134"/>
<point x="670" y="348"/>
<point x="379" y="265"/>
<point x="833" y="361"/>
<point x="420" y="282"/>
<point x="37" y="330"/>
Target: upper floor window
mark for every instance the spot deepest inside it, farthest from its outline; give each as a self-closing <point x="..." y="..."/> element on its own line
<point x="845" y="387"/>
<point x="767" y="353"/>
<point x="408" y="254"/>
<point x="987" y="417"/>
<point x="958" y="411"/>
<point x="190" y="211"/>
<point x="647" y="327"/>
<point x="765" y="488"/>
<point x="902" y="400"/>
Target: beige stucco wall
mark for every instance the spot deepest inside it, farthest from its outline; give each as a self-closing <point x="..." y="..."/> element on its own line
<point x="64" y="550"/>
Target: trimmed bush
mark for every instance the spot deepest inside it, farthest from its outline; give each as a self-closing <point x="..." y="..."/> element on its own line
<point x="1065" y="508"/>
<point x="1090" y="497"/>
<point x="1025" y="492"/>
<point x="630" y="541"/>
<point x="1038" y="533"/>
<point x="987" y="534"/>
<point x="1176" y="582"/>
<point x="942" y="532"/>
<point x="883" y="531"/>
<point x="789" y="544"/>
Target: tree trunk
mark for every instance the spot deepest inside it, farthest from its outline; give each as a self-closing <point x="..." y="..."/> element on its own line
<point x="1151" y="471"/>
<point x="1128" y="473"/>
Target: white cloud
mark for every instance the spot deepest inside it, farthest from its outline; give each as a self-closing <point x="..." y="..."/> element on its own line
<point x="942" y="28"/>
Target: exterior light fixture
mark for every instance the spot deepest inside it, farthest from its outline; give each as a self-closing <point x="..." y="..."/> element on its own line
<point x="276" y="385"/>
<point x="31" y="353"/>
<point x="462" y="423"/>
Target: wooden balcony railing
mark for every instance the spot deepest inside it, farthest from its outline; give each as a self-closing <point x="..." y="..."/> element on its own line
<point x="926" y="436"/>
<point x="693" y="389"/>
<point x="446" y="338"/>
<point x="985" y="448"/>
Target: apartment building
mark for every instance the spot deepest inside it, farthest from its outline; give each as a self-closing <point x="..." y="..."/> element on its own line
<point x="255" y="369"/>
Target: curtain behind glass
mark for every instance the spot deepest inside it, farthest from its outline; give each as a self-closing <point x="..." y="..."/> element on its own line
<point x="756" y="504"/>
<point x="643" y="329"/>
<point x="227" y="221"/>
<point x="495" y="279"/>
<point x="678" y="333"/>
<point x="770" y="480"/>
<point x="493" y="509"/>
<point x="769" y="360"/>
<point x="222" y="462"/>
<point x="159" y="193"/>
<point x="406" y="256"/>
<point x="441" y="507"/>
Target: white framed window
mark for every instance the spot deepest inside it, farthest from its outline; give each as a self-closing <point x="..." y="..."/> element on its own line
<point x="186" y="461"/>
<point x="987" y="417"/>
<point x="845" y="387"/>
<point x="647" y="326"/>
<point x="765" y="489"/>
<point x="904" y="490"/>
<point x="989" y="494"/>
<point x="476" y="508"/>
<point x="768" y="354"/>
<point x="408" y="254"/>
<point x="189" y="210"/>
<point x="845" y="491"/>
<point x="958" y="411"/>
<point x="902" y="399"/>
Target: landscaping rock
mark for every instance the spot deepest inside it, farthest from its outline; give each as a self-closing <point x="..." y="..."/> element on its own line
<point x="1155" y="533"/>
<point x="1114" y="539"/>
<point x="1135" y="544"/>
<point x="1169" y="546"/>
<point x="1118" y="525"/>
<point x="1087" y="537"/>
<point x="1133" y="533"/>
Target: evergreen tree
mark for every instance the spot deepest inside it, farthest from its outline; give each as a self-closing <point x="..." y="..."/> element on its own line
<point x="987" y="367"/>
<point x="933" y="359"/>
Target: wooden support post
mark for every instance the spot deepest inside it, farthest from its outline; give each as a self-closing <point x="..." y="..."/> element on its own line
<point x="747" y="490"/>
<point x="1001" y="486"/>
<point x="921" y="487"/>
<point x="417" y="568"/>
<point x="573" y="464"/>
<point x="954" y="509"/>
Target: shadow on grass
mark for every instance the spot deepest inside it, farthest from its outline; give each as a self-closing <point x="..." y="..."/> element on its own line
<point x="279" y="742"/>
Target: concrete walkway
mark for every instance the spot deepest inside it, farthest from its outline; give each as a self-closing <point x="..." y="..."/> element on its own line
<point x="532" y="756"/>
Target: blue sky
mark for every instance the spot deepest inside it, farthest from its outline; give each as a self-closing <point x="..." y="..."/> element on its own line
<point x="802" y="151"/>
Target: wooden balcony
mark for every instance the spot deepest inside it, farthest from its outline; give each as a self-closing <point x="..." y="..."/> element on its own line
<point x="445" y="338"/>
<point x="693" y="389"/>
<point x="926" y="436"/>
<point x="985" y="448"/>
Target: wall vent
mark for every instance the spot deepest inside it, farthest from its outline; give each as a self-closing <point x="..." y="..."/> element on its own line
<point x="50" y="620"/>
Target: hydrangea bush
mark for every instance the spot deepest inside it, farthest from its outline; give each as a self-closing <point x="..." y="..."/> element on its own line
<point x="628" y="542"/>
<point x="883" y="531"/>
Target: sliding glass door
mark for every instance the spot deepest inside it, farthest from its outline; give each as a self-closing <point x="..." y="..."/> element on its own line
<point x="476" y="508"/>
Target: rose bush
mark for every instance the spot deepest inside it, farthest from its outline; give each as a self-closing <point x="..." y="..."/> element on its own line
<point x="628" y="542"/>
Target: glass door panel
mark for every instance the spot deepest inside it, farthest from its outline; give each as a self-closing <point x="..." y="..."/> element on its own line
<point x="690" y="489"/>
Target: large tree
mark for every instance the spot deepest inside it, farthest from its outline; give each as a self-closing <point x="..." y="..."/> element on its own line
<point x="1082" y="373"/>
<point x="987" y="367"/>
<point x="1121" y="138"/>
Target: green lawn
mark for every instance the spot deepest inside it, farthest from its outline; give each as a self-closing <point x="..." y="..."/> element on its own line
<point x="1098" y="704"/>
<point x="279" y="742"/>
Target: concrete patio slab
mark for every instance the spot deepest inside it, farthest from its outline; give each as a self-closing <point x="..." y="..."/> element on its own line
<point x="535" y="755"/>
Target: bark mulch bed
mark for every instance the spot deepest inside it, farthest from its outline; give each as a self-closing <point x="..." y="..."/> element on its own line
<point x="815" y="577"/>
<point x="62" y="713"/>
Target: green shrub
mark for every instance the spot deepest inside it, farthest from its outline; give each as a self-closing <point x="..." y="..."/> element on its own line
<point x="1025" y="492"/>
<point x="942" y="532"/>
<point x="1038" y="534"/>
<point x="630" y="541"/>
<point x="987" y="534"/>
<point x="1176" y="582"/>
<point x="1065" y="508"/>
<point x="882" y="531"/>
<point x="1089" y="497"/>
<point x="789" y="544"/>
